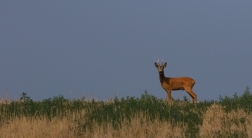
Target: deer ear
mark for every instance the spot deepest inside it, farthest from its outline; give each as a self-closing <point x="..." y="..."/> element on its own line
<point x="165" y="64"/>
<point x="156" y="64"/>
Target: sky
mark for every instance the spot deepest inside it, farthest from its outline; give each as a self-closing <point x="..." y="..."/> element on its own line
<point x="100" y="49"/>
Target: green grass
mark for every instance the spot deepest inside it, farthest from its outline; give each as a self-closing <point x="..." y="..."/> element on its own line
<point x="120" y="109"/>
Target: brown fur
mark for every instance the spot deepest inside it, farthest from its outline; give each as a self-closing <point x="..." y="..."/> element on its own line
<point x="181" y="83"/>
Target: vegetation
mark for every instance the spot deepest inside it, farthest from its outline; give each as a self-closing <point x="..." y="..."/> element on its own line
<point x="146" y="116"/>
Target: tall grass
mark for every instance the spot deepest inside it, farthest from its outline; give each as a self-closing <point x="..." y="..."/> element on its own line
<point x="145" y="116"/>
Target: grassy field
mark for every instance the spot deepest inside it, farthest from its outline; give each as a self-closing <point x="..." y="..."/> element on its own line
<point x="143" y="117"/>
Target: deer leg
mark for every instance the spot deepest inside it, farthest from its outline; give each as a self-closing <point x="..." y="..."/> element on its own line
<point x="190" y="95"/>
<point x="193" y="95"/>
<point x="168" y="95"/>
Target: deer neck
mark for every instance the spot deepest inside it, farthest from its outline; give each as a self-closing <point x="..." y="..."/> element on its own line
<point x="162" y="77"/>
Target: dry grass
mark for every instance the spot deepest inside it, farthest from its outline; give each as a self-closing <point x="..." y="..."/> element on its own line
<point x="4" y="101"/>
<point x="36" y="128"/>
<point x="139" y="127"/>
<point x="218" y="123"/>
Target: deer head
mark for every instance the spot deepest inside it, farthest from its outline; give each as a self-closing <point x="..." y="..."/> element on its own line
<point x="160" y="67"/>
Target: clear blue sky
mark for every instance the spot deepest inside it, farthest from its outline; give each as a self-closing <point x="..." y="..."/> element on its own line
<point x="103" y="48"/>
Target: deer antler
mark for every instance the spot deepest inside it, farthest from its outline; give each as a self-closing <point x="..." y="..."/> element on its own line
<point x="158" y="61"/>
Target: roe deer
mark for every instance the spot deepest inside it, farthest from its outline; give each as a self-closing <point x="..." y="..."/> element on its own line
<point x="181" y="83"/>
